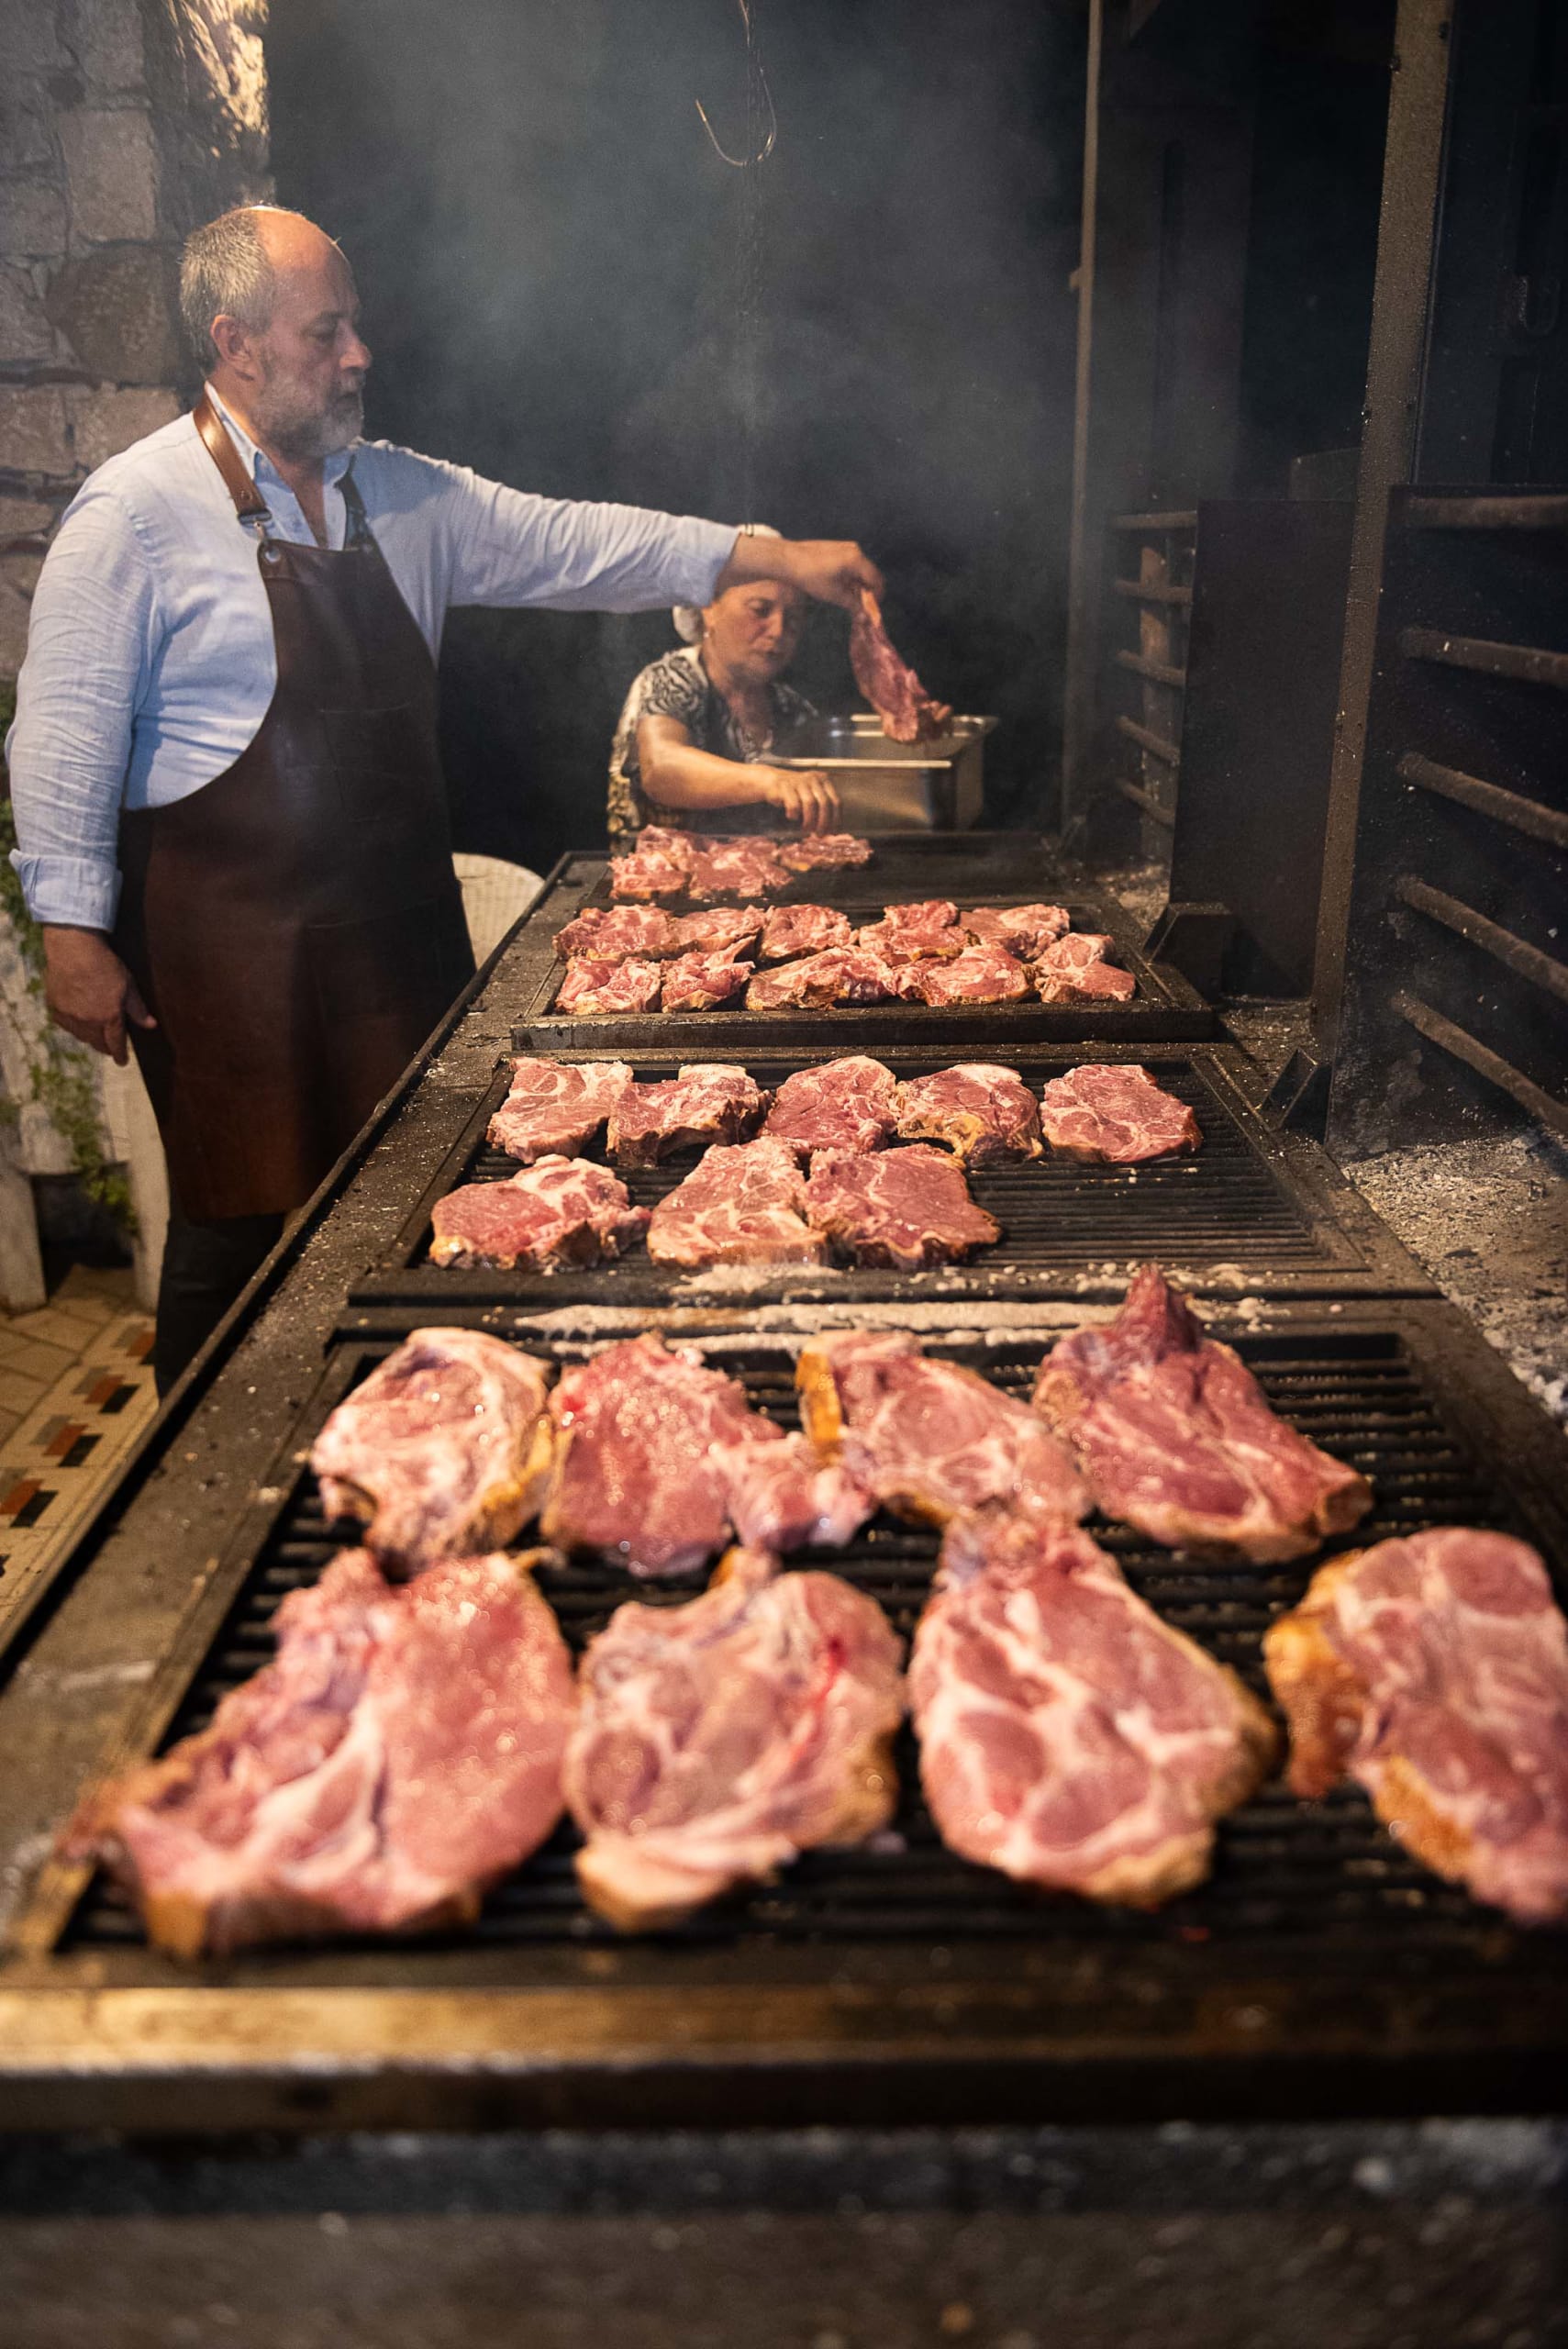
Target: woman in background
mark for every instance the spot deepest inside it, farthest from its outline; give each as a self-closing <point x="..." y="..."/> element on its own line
<point x="693" y="742"/>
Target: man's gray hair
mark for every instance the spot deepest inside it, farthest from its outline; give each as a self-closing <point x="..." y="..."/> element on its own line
<point x="225" y="268"/>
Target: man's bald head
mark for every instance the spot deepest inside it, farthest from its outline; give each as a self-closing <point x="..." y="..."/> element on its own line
<point x="230" y="269"/>
<point x="269" y="303"/>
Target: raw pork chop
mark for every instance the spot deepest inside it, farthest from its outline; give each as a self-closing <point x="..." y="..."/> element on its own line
<point x="927" y="1437"/>
<point x="1075" y="971"/>
<point x="555" y="1108"/>
<point x="745" y="866"/>
<point x="791" y="931"/>
<point x="718" y="929"/>
<point x="981" y="1112"/>
<point x="1024" y="931"/>
<point x="704" y="982"/>
<point x="1434" y="1670"/>
<point x="444" y="1448"/>
<point x="785" y="1495"/>
<point x="840" y="974"/>
<point x="707" y="1101"/>
<point x="816" y="851"/>
<point x="617" y="933"/>
<point x="557" y="1211"/>
<point x="1177" y="1437"/>
<point x="843" y="1105"/>
<point x="593" y="984"/>
<point x="907" y="711"/>
<point x="904" y="1208"/>
<point x="401" y="1753"/>
<point x="980" y="975"/>
<point x="737" y="1207"/>
<point x="717" y="1741"/>
<point x="657" y="866"/>
<point x="1115" y="1112"/>
<point x="908" y="933"/>
<point x="1067" y="1735"/>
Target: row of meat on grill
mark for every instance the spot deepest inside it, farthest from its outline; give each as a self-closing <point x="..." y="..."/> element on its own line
<point x="415" y="1741"/>
<point x="640" y="958"/>
<point x="700" y="866"/>
<point x="819" y="1182"/>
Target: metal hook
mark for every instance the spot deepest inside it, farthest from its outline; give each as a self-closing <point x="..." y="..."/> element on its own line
<point x="745" y="162"/>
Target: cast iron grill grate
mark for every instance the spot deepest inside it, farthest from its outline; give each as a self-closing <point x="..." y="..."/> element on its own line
<point x="1294" y="1885"/>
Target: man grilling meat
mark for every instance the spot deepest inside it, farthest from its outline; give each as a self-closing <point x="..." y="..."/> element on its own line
<point x="228" y="800"/>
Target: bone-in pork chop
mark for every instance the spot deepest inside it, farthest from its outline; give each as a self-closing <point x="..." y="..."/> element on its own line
<point x="842" y="1105"/>
<point x="557" y="1211"/>
<point x="657" y="866"/>
<point x="1024" y="931"/>
<point x="707" y="1101"/>
<point x="793" y="930"/>
<point x="909" y="933"/>
<point x="1067" y="1735"/>
<point x="783" y="1496"/>
<point x="1076" y="970"/>
<point x="591" y="984"/>
<point x="980" y="975"/>
<point x="1114" y="1111"/>
<point x="1434" y="1670"/>
<point x="555" y="1108"/>
<point x="444" y="1448"/>
<point x="617" y="934"/>
<point x="746" y="866"/>
<point x="704" y="982"/>
<point x="401" y="1753"/>
<point x="1177" y="1437"/>
<point x="903" y="1208"/>
<point x="718" y="929"/>
<point x="839" y="975"/>
<point x="929" y="1437"/>
<point x="718" y="1739"/>
<point x="737" y="1207"/>
<point x="823" y="851"/>
<point x="981" y="1112"/>
<point x="908" y="713"/>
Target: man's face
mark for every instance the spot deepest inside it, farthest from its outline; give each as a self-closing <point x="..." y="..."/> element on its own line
<point x="755" y="628"/>
<point x="305" y="371"/>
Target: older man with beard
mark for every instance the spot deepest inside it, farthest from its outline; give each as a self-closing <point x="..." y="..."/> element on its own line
<point x="228" y="801"/>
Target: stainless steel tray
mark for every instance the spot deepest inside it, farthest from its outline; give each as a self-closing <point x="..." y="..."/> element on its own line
<point x="891" y="787"/>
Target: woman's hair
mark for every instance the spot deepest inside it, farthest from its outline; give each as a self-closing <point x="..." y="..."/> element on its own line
<point x="688" y="617"/>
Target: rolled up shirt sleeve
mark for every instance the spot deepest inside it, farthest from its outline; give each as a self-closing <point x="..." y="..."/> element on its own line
<point x="509" y="547"/>
<point x="89" y="651"/>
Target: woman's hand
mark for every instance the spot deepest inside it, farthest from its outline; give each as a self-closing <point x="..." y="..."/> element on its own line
<point x="804" y="795"/>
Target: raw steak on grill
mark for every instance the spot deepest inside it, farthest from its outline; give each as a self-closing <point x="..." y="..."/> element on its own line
<point x="1434" y="1670"/>
<point x="1024" y="931"/>
<point x="718" y="1739"/>
<point x="791" y="931"/>
<point x="555" y="1108"/>
<point x="446" y="1447"/>
<point x="1067" y="1735"/>
<point x="401" y="1753"/>
<point x="557" y="1211"/>
<point x="718" y="929"/>
<point x="927" y="1437"/>
<point x="737" y="1207"/>
<point x="980" y="975"/>
<point x="908" y="712"/>
<point x="1115" y="1112"/>
<point x="818" y="852"/>
<point x="839" y="975"/>
<point x="651" y="871"/>
<point x="785" y="1495"/>
<point x="904" y="1208"/>
<point x="1177" y="1437"/>
<point x="1075" y="971"/>
<point x="593" y="984"/>
<point x="981" y="1112"/>
<point x="909" y="933"/>
<point x="707" y="1101"/>
<point x="842" y="1105"/>
<point x="704" y="982"/>
<point x="745" y="866"/>
<point x="619" y="933"/>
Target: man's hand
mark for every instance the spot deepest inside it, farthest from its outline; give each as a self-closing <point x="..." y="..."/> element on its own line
<point x="802" y="794"/>
<point x="89" y="991"/>
<point x="833" y="570"/>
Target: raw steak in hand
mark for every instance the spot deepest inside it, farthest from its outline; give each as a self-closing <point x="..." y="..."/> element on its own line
<point x="1177" y="1437"/>
<point x="842" y="1105"/>
<point x="401" y="1753"/>
<point x="1024" y="931"/>
<point x="1115" y="1112"/>
<point x="1067" y="1735"/>
<point x="557" y="1211"/>
<point x="737" y="1207"/>
<point x="593" y="984"/>
<point x="1434" y="1670"/>
<point x="793" y="930"/>
<point x="981" y="1112"/>
<point x="907" y="711"/>
<point x="444" y="1448"/>
<point x="718" y="1739"/>
<point x="904" y="1208"/>
<point x="555" y="1108"/>
<point x="705" y="1101"/>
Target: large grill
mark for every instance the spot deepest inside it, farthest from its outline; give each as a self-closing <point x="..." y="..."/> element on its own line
<point x="1243" y="1210"/>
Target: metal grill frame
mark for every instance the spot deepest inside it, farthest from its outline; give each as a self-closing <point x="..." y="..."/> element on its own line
<point x="408" y="2036"/>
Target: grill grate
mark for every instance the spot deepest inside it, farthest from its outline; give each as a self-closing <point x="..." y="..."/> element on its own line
<point x="1299" y="1886"/>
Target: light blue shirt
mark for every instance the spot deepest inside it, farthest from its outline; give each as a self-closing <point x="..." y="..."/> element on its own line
<point x="151" y="661"/>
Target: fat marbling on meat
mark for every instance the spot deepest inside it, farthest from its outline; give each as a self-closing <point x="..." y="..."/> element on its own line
<point x="402" y="1753"/>
<point x="847" y="1103"/>
<point x="718" y="1739"/>
<point x="1114" y="1112"/>
<point x="591" y="984"/>
<point x="791" y="932"/>
<point x="557" y="1211"/>
<point x="1077" y="969"/>
<point x="981" y="1111"/>
<point x="555" y="1108"/>
<point x="742" y="1206"/>
<point x="1067" y="1735"/>
<point x="1024" y="931"/>
<point x="904" y="1208"/>
<point x="444" y="1448"/>
<point x="705" y="1101"/>
<point x="1433" y="1669"/>
<point x="617" y="934"/>
<point x="823" y="851"/>
<point x="979" y="974"/>
<point x="700" y="982"/>
<point x="908" y="713"/>
<point x="915" y="932"/>
<point x="1177" y="1437"/>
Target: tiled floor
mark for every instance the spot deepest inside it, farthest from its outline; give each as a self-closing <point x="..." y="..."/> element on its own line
<point x="37" y="1349"/>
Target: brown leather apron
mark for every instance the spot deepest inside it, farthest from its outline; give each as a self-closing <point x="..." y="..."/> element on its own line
<point x="296" y="925"/>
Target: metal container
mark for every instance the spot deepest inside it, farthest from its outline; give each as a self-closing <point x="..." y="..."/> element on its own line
<point x="886" y="786"/>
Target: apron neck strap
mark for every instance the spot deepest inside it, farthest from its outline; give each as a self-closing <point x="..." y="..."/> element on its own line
<point x="249" y="501"/>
